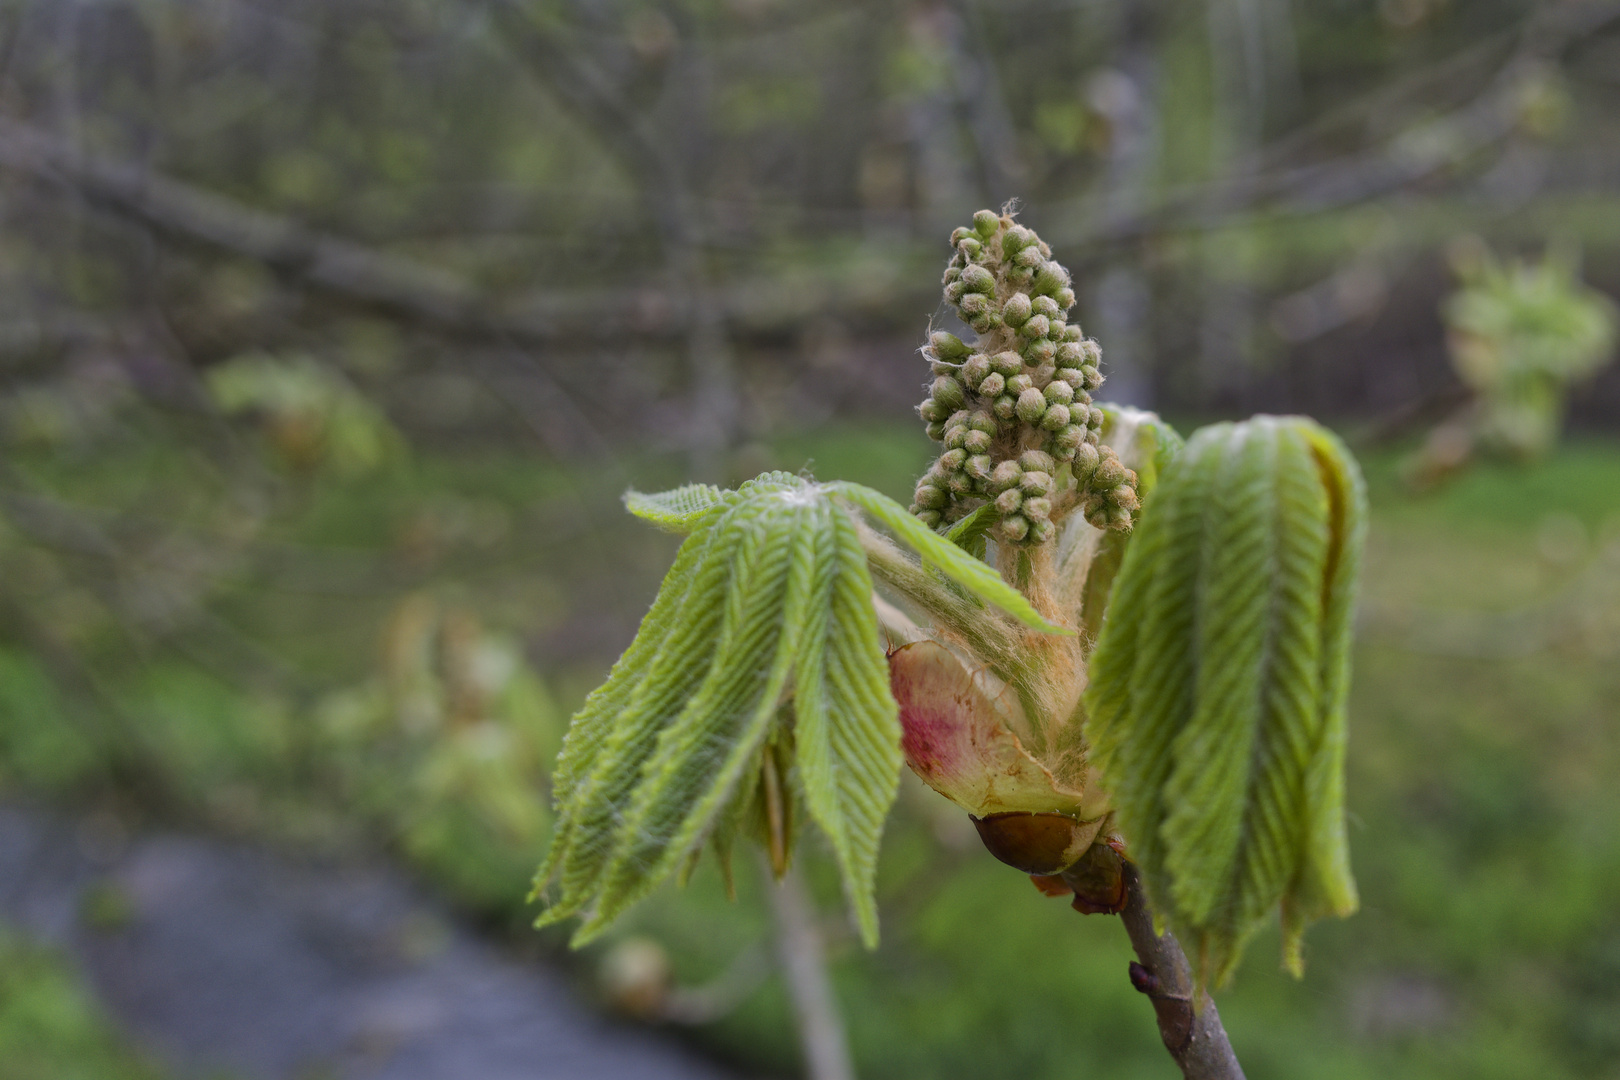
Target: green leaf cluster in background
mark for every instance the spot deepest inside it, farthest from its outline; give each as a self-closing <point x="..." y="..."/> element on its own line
<point x="758" y="668"/>
<point x="1217" y="708"/>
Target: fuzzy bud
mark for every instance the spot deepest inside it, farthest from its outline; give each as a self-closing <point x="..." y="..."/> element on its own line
<point x="1056" y="417"/>
<point x="954" y="291"/>
<point x="1064" y="298"/>
<point x="969" y="247"/>
<point x="1093" y="377"/>
<point x="1045" y="305"/>
<point x="929" y="518"/>
<point x="1016" y="239"/>
<point x="1009" y="501"/>
<point x="959" y="483"/>
<point x="985" y="322"/>
<point x="951" y="460"/>
<point x="1015" y="528"/>
<point x="1019" y="383"/>
<point x="1110" y="473"/>
<point x="1035" y="327"/>
<point x="952" y="272"/>
<point x="1037" y="509"/>
<point x="1037" y="461"/>
<point x="976" y="442"/>
<point x="993" y="385"/>
<point x="1033" y="484"/>
<point x="1006" y="407"/>
<point x="1048" y="279"/>
<point x="1072" y="332"/>
<point x="975" y="369"/>
<point x="929" y="497"/>
<point x="948" y="393"/>
<point x="1006" y="475"/>
<point x="946" y="345"/>
<point x="986" y="222"/>
<point x="1016" y="311"/>
<point x="935" y="431"/>
<point x="978" y="467"/>
<point x="1007" y="364"/>
<point x="1042" y="530"/>
<point x="932" y="411"/>
<point x="1070" y="355"/>
<point x="1071" y="375"/>
<point x="1032" y="406"/>
<point x="1086" y="456"/>
<point x="959" y="234"/>
<point x="977" y="279"/>
<point x="979" y="420"/>
<point x="1029" y="258"/>
<point x="1092" y="352"/>
<point x="1040" y="353"/>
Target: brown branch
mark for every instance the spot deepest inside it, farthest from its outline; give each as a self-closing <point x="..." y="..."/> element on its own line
<point x="1104" y="882"/>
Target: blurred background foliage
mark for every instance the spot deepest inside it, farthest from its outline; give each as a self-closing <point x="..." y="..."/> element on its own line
<point x="331" y="330"/>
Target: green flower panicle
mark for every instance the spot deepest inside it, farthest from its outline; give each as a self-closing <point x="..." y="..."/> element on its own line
<point x="1014" y="410"/>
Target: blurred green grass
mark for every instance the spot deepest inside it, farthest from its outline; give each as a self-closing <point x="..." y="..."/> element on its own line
<point x="1485" y="830"/>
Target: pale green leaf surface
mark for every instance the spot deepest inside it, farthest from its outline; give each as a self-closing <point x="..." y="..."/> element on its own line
<point x="1216" y="700"/>
<point x="936" y="551"/>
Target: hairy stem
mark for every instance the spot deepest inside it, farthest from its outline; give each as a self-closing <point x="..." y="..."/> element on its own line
<point x="1191" y="1033"/>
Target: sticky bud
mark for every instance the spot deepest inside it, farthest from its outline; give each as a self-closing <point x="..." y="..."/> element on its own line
<point x="1056" y="417"/>
<point x="986" y="222"/>
<point x="948" y="392"/>
<point x="993" y="385"/>
<point x="1016" y="311"/>
<point x="1032" y="405"/>
<point x="1015" y="528"/>
<point x="1009" y="501"/>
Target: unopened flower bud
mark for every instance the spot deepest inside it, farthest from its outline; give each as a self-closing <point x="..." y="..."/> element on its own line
<point x="1006" y="407"/>
<point x="1009" y="501"/>
<point x="932" y="411"/>
<point x="929" y="497"/>
<point x="929" y="518"/>
<point x="1032" y="405"/>
<point x="1016" y="311"/>
<point x="1070" y="355"/>
<point x="948" y="392"/>
<point x="1048" y="279"/>
<point x="1109" y="473"/>
<point x="975" y="369"/>
<point x="1056" y="417"/>
<point x="1040" y="352"/>
<point x="977" y="279"/>
<point x="1034" y="483"/>
<point x="976" y="304"/>
<point x="951" y="460"/>
<point x="1041" y="530"/>
<point x="1093" y="352"/>
<point x="1007" y="474"/>
<point x="1071" y="375"/>
<point x="1037" y="461"/>
<point x="947" y="345"/>
<point x="1035" y="327"/>
<point x="978" y="466"/>
<point x="1016" y="239"/>
<point x="985" y="322"/>
<point x="1064" y="298"/>
<point x="959" y="234"/>
<point x="1072" y="332"/>
<point x="986" y="222"/>
<point x="959" y="483"/>
<point x="1019" y="383"/>
<point x="980" y="420"/>
<point x="1007" y="364"/>
<point x="1038" y="508"/>
<point x="954" y="291"/>
<point x="993" y="385"/>
<point x="1086" y="456"/>
<point x="969" y="247"/>
<point x="1124" y="496"/>
<point x="976" y="442"/>
<point x="952" y="272"/>
<point x="935" y="431"/>
<point x="1045" y="305"/>
<point x="1029" y="258"/>
<point x="1015" y="528"/>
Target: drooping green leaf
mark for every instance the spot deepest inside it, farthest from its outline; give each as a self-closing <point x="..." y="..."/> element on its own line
<point x="972" y="533"/>
<point x="848" y="726"/>
<point x="762" y="641"/>
<point x="1216" y="700"/>
<point x="936" y="551"/>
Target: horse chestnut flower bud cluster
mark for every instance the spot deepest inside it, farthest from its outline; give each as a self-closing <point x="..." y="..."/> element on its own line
<point x="1014" y="409"/>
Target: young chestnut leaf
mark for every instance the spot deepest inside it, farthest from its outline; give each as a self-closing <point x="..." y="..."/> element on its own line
<point x="760" y="663"/>
<point x="1217" y="693"/>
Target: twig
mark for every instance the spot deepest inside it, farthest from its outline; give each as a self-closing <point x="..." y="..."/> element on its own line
<point x="1191" y="1032"/>
<point x="804" y="967"/>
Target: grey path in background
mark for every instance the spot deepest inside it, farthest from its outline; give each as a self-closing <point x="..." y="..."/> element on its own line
<point x="229" y="958"/>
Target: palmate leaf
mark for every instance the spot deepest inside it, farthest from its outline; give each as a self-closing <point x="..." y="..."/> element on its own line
<point x="762" y="640"/>
<point x="1216" y="700"/>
